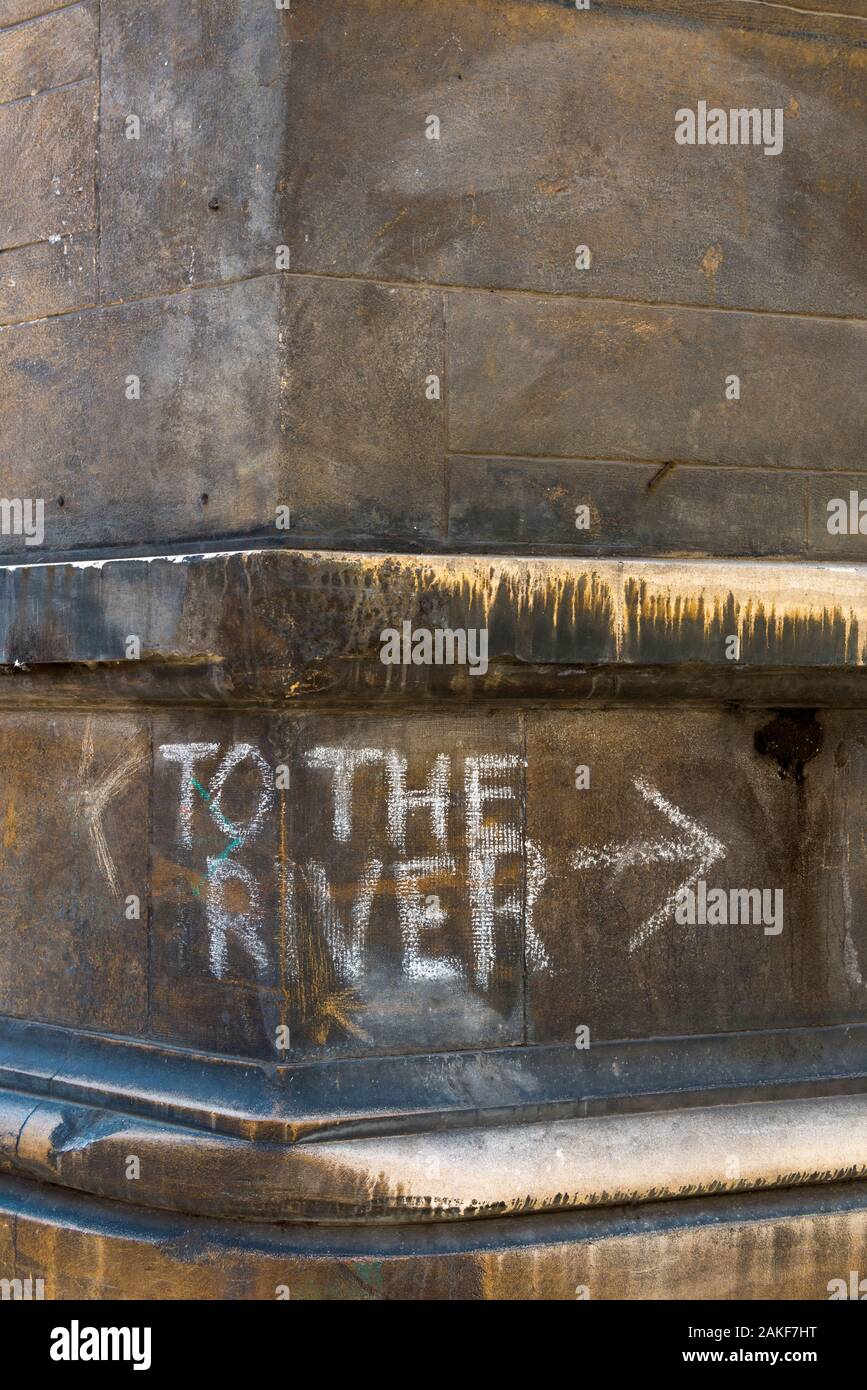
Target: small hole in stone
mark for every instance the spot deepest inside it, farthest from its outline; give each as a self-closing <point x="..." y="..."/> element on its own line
<point x="205" y="498"/>
<point x="214" y="205"/>
<point x="60" y="501"/>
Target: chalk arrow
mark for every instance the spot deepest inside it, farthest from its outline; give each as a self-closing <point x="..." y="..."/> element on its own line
<point x="93" y="798"/>
<point x="693" y="844"/>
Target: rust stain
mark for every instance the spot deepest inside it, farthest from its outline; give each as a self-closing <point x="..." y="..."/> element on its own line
<point x="711" y="261"/>
<point x="10" y="826"/>
<point x="774" y="608"/>
<point x="167" y="874"/>
<point x="551" y="189"/>
<point x="387" y="226"/>
<point x="337" y="1008"/>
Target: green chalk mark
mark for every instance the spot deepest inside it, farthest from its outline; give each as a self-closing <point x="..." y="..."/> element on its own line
<point x="224" y="826"/>
<point x="228" y="849"/>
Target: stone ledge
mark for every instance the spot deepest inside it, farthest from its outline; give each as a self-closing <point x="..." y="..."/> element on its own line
<point x="504" y="1170"/>
<point x="290" y="625"/>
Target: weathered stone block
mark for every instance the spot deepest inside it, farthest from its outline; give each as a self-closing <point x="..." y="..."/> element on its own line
<point x="200" y="196"/>
<point x="75" y="828"/>
<point x="554" y="377"/>
<point x="631" y="508"/>
<point x="557" y="129"/>
<point x="56" y="50"/>
<point x="364" y="431"/>
<point x="48" y="155"/>
<point x="49" y="277"/>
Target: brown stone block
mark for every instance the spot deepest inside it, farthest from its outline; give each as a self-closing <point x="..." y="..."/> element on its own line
<point x="48" y="155"/>
<point x="198" y="198"/>
<point x="557" y="130"/>
<point x="48" y="278"/>
<point x="74" y="835"/>
<point x="631" y="507"/>
<point x="58" y="49"/>
<point x="837" y="513"/>
<point x="609" y="381"/>
<point x="364" y="444"/>
<point x="196" y="455"/>
<point x="732" y="800"/>
<point x="302" y="394"/>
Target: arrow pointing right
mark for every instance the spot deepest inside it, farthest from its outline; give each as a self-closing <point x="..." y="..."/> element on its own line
<point x="694" y="843"/>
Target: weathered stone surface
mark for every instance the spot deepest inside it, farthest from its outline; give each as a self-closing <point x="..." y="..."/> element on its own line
<point x="74" y="847"/>
<point x="48" y="278"/>
<point x="196" y="455"/>
<point x="266" y="625"/>
<point x="392" y="871"/>
<point x="763" y="1245"/>
<point x="633" y="508"/>
<point x="210" y="85"/>
<point x="364" y="920"/>
<point x="14" y="11"/>
<point x="319" y="918"/>
<point x="493" y="1171"/>
<point x="554" y="377"/>
<point x="249" y="401"/>
<point x="856" y="7"/>
<point x="55" y="50"/>
<point x="364" y="446"/>
<point x="268" y="1105"/>
<point x="557" y="130"/>
<point x="824" y="18"/>
<point x="824" y="505"/>
<point x="48" y="155"/>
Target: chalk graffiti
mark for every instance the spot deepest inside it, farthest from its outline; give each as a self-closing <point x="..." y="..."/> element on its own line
<point x="416" y="917"/>
<point x="480" y="856"/>
<point x="93" y="797"/>
<point x="222" y="923"/>
<point x="345" y="944"/>
<point x="489" y="839"/>
<point x="343" y="762"/>
<point x="695" y="845"/>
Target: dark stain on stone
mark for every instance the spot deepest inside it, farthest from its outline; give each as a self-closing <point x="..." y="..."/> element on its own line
<point x="791" y="739"/>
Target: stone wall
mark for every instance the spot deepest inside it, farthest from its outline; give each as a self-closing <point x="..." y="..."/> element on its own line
<point x="246" y="295"/>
